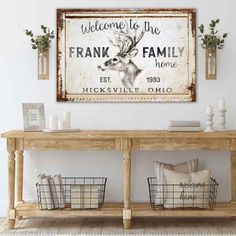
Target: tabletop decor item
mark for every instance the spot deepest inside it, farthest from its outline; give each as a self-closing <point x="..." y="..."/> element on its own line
<point x="67" y="120"/>
<point x="210" y="114"/>
<point x="211" y="42"/>
<point x="222" y="111"/>
<point x="122" y="55"/>
<point x="184" y="126"/>
<point x="60" y="126"/>
<point x="42" y="43"/>
<point x="53" y="122"/>
<point x="33" y="116"/>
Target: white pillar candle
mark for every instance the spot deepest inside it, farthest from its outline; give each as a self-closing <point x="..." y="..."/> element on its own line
<point x="222" y="104"/>
<point x="67" y="120"/>
<point x="61" y="125"/>
<point x="53" y="122"/>
<point x="209" y="110"/>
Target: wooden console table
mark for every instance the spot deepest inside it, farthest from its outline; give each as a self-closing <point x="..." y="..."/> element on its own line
<point x="126" y="142"/>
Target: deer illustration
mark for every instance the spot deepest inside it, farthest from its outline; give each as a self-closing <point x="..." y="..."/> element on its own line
<point x="126" y="43"/>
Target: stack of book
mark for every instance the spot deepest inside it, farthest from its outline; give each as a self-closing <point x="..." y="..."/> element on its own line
<point x="184" y="126"/>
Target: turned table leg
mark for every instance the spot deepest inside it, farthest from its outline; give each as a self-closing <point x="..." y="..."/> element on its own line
<point x="11" y="182"/>
<point x="233" y="175"/>
<point x="19" y="172"/>
<point x="127" y="180"/>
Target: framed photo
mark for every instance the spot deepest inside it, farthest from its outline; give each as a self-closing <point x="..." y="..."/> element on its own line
<point x="34" y="116"/>
<point x="137" y="55"/>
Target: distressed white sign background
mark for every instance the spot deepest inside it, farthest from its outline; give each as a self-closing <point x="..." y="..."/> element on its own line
<point x="129" y="57"/>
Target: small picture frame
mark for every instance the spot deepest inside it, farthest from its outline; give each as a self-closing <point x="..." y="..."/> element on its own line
<point x="34" y="116"/>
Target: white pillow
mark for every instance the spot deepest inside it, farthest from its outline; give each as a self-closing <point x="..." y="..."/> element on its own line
<point x="185" y="167"/>
<point x="187" y="190"/>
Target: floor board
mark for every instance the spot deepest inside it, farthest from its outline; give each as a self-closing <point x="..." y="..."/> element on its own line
<point x="92" y="226"/>
<point x="49" y="226"/>
<point x="29" y="226"/>
<point x="151" y="225"/>
<point x="71" y="226"/>
<point x="113" y="226"/>
<point x="4" y="226"/>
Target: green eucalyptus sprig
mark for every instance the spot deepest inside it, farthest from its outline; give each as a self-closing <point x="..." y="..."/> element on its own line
<point x="42" y="42"/>
<point x="212" y="40"/>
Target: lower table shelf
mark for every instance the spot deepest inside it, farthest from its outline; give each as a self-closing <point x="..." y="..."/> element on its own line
<point x="29" y="209"/>
<point x="32" y="209"/>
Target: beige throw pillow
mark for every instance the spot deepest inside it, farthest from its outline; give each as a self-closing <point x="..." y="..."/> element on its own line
<point x="185" y="167"/>
<point x="187" y="190"/>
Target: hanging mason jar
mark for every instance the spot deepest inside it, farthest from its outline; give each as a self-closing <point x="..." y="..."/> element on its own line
<point x="43" y="64"/>
<point x="211" y="63"/>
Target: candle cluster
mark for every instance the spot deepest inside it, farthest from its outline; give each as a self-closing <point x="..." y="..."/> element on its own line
<point x="64" y="124"/>
<point x="210" y="114"/>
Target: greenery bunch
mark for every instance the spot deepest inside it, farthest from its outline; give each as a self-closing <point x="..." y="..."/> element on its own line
<point x="212" y="40"/>
<point x="42" y="42"/>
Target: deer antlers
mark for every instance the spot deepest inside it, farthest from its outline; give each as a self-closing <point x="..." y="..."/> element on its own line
<point x="128" y="42"/>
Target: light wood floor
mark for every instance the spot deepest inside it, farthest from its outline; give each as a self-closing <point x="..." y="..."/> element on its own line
<point x="114" y="226"/>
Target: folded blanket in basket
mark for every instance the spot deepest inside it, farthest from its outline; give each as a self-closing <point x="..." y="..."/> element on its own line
<point x="47" y="192"/>
<point x="51" y="192"/>
<point x="60" y="192"/>
<point x="84" y="196"/>
<point x="41" y="192"/>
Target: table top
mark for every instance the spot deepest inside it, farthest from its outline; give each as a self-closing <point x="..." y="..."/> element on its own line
<point x="110" y="134"/>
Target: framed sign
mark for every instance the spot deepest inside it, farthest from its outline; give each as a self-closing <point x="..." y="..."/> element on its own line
<point x="126" y="55"/>
<point x="33" y="116"/>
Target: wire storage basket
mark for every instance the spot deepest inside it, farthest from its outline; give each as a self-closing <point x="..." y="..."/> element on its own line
<point x="72" y="192"/>
<point x="182" y="196"/>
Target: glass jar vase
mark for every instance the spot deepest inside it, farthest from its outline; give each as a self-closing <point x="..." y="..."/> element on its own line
<point x="43" y="64"/>
<point x="211" y="63"/>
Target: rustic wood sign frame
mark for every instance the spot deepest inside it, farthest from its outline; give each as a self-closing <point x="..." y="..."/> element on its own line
<point x="126" y="55"/>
